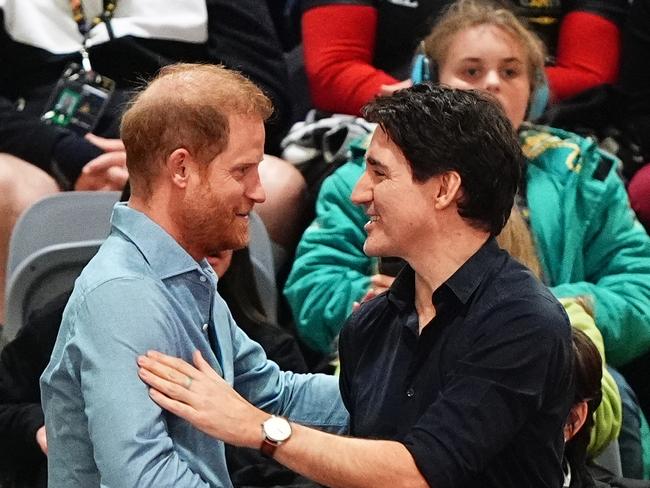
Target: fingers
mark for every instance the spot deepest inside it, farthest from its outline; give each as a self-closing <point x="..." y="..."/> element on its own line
<point x="203" y="366"/>
<point x="381" y="280"/>
<point x="168" y="367"/>
<point x="392" y="88"/>
<point x="112" y="179"/>
<point x="115" y="178"/>
<point x="173" y="386"/>
<point x="107" y="145"/>
<point x="104" y="161"/>
<point x="176" y="407"/>
<point x="41" y="439"/>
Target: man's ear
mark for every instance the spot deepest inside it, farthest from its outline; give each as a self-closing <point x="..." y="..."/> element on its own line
<point x="178" y="164"/>
<point x="448" y="190"/>
<point x="576" y="419"/>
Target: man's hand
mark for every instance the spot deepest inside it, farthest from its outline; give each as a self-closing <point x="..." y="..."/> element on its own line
<point x="107" y="171"/>
<point x="379" y="283"/>
<point x="106" y="145"/>
<point x="200" y="396"/>
<point x="41" y="439"/>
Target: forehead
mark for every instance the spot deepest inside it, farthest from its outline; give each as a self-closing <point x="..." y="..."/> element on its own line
<point x="382" y="150"/>
<point x="245" y="140"/>
<point x="485" y="41"/>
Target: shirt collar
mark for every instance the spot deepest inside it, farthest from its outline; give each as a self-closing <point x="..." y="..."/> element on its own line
<point x="462" y="284"/>
<point x="165" y="256"/>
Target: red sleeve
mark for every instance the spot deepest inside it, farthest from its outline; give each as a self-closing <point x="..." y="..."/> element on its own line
<point x="339" y="41"/>
<point x="588" y="54"/>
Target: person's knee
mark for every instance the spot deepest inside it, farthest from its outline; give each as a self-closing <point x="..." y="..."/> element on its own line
<point x="22" y="184"/>
<point x="285" y="191"/>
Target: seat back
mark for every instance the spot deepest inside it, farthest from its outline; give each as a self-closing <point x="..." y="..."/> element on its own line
<point x="261" y="253"/>
<point x="50" y="245"/>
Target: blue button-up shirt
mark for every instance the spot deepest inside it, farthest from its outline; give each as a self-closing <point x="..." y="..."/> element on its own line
<point x="143" y="291"/>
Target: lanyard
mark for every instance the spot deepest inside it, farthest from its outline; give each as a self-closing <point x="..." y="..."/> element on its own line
<point x="84" y="26"/>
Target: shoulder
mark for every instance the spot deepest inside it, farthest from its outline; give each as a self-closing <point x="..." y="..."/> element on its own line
<point x="613" y="10"/>
<point x="366" y="319"/>
<point x="563" y="153"/>
<point x="517" y="301"/>
<point x="308" y="4"/>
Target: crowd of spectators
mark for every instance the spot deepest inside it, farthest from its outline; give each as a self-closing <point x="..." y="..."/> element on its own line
<point x="582" y="211"/>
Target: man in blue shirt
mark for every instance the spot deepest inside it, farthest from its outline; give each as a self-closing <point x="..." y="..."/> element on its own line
<point x="460" y="375"/>
<point x="194" y="139"/>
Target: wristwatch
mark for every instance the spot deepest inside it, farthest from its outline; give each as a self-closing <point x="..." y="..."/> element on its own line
<point x="275" y="431"/>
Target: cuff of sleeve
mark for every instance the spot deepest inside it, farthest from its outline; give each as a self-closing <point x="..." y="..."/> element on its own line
<point x="71" y="153"/>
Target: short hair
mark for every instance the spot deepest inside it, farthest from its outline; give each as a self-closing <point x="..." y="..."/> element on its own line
<point x="465" y="14"/>
<point x="441" y="129"/>
<point x="185" y="105"/>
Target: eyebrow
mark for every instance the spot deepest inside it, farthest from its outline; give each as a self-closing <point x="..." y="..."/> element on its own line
<point x="505" y="60"/>
<point x="373" y="162"/>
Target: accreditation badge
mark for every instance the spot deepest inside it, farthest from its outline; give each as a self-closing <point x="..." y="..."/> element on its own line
<point x="78" y="99"/>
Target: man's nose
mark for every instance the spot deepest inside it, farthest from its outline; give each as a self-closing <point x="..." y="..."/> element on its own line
<point x="256" y="191"/>
<point x="362" y="192"/>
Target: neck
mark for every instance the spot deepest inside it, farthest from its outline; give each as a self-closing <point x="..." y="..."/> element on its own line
<point x="158" y="209"/>
<point x="436" y="261"/>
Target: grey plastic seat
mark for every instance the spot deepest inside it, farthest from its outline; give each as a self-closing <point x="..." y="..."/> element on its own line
<point x="261" y="253"/>
<point x="51" y="243"/>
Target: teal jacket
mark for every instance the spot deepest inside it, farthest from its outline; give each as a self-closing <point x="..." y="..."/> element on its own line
<point x="330" y="271"/>
<point x="587" y="238"/>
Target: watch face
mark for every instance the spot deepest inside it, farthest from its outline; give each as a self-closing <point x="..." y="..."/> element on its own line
<point x="277" y="429"/>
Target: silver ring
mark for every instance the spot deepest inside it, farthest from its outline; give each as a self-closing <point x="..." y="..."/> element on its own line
<point x="188" y="382"/>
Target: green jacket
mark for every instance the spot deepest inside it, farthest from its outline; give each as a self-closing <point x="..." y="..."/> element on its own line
<point x="587" y="237"/>
<point x="330" y="271"/>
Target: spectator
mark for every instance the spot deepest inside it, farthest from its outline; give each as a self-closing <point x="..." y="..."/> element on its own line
<point x="595" y="247"/>
<point x="357" y="49"/>
<point x="579" y="469"/>
<point x="635" y="84"/>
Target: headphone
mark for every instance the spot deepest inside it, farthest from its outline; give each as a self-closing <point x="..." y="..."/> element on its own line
<point x="424" y="69"/>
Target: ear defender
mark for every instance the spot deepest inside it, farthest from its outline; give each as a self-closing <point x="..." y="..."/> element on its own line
<point x="423" y="69"/>
<point x="539" y="97"/>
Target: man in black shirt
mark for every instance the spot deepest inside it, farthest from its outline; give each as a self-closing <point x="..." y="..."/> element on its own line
<point x="463" y="368"/>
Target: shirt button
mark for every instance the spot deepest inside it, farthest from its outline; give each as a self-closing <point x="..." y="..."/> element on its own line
<point x="205" y="327"/>
<point x="202" y="279"/>
<point x="410" y="393"/>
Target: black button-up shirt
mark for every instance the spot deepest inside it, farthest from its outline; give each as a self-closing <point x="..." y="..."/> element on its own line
<point x="480" y="397"/>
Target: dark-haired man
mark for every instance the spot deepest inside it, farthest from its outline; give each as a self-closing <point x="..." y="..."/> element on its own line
<point x="460" y="373"/>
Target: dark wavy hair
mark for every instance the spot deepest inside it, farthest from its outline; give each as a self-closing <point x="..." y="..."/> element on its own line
<point x="440" y="129"/>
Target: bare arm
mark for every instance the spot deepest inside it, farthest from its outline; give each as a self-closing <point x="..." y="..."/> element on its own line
<point x="328" y="459"/>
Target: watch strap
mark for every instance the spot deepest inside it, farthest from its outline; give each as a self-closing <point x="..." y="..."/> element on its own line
<point x="268" y="447"/>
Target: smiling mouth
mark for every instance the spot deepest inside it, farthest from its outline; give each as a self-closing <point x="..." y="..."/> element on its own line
<point x="372" y="219"/>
